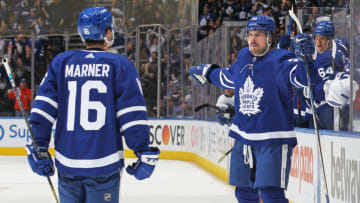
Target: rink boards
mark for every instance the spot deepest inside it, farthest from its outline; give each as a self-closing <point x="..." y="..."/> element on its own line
<point x="204" y="142"/>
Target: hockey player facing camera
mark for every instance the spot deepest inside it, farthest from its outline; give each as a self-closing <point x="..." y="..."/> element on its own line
<point x="96" y="99"/>
<point x="263" y="127"/>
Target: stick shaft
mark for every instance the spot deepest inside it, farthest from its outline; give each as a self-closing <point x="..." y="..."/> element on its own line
<point x="292" y="15"/>
<point x="5" y="62"/>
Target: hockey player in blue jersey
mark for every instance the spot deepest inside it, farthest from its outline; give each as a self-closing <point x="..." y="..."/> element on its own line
<point x="326" y="67"/>
<point x="262" y="78"/>
<point x="95" y="98"/>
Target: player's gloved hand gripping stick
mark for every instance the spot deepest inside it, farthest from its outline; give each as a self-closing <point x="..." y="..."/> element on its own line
<point x="39" y="163"/>
<point x="145" y="165"/>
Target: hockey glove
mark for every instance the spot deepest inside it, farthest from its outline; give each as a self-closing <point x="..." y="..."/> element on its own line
<point x="337" y="91"/>
<point x="284" y="42"/>
<point x="304" y="46"/>
<point x="222" y="118"/>
<point x="145" y="165"/>
<point x="200" y="73"/>
<point x="41" y="165"/>
<point x="343" y="45"/>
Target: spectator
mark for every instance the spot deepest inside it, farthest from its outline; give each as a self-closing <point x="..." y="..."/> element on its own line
<point x="149" y="86"/>
<point x="19" y="47"/>
<point x="40" y="27"/>
<point x="25" y="97"/>
<point x="228" y="10"/>
<point x="204" y="21"/>
<point x="244" y="9"/>
<point x="259" y="7"/>
<point x="21" y="70"/>
<point x="55" y="15"/>
<point x="31" y="20"/>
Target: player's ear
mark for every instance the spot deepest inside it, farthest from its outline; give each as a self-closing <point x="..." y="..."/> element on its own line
<point x="108" y="34"/>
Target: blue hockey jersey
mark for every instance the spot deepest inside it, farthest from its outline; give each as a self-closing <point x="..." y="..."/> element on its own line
<point x="95" y="98"/>
<point x="263" y="95"/>
<point x="325" y="69"/>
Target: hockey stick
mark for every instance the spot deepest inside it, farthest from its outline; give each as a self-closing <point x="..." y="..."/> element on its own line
<point x="226" y="153"/>
<point x="229" y="110"/>
<point x="5" y="62"/>
<point x="293" y="16"/>
<point x="198" y="108"/>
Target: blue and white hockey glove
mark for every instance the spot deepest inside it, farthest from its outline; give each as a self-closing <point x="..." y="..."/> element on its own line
<point x="224" y="116"/>
<point x="304" y="46"/>
<point x="42" y="166"/>
<point x="145" y="165"/>
<point x="343" y="45"/>
<point x="223" y="119"/>
<point x="337" y="91"/>
<point x="284" y="42"/>
<point x="200" y="73"/>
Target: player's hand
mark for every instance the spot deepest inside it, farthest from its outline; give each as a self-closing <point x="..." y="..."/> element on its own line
<point x="343" y="45"/>
<point x="284" y="41"/>
<point x="145" y="165"/>
<point x="41" y="165"/>
<point x="224" y="116"/>
<point x="200" y="72"/>
<point x="223" y="119"/>
<point x="304" y="46"/>
<point x="302" y="93"/>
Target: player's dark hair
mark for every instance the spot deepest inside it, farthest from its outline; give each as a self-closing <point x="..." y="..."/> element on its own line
<point x="94" y="42"/>
<point x="90" y="42"/>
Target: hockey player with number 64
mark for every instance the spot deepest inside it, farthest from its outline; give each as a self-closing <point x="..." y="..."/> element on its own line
<point x="95" y="97"/>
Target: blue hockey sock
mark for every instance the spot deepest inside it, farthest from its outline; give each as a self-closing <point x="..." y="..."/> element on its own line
<point x="247" y="195"/>
<point x="273" y="195"/>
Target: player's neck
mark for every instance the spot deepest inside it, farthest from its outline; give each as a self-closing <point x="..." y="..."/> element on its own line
<point x="97" y="46"/>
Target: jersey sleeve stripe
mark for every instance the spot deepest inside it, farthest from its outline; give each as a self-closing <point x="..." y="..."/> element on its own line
<point x="133" y="123"/>
<point x="89" y="163"/>
<point x="223" y="84"/>
<point x="226" y="78"/>
<point x="293" y="79"/>
<point x="130" y="109"/>
<point x="43" y="114"/>
<point x="47" y="100"/>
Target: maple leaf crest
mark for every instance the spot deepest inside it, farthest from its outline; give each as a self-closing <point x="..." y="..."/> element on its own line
<point x="250" y="98"/>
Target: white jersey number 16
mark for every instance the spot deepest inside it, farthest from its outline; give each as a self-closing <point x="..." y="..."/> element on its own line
<point x="86" y="105"/>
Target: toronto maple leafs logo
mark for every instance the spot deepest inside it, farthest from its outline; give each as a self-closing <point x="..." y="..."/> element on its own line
<point x="250" y="98"/>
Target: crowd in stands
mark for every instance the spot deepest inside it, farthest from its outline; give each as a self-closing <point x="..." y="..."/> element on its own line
<point x="212" y="12"/>
<point x="20" y="18"/>
<point x="174" y="63"/>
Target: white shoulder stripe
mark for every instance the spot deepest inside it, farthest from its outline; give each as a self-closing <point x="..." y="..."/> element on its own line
<point x="226" y="78"/>
<point x="43" y="114"/>
<point x="133" y="123"/>
<point x="89" y="163"/>
<point x="130" y="109"/>
<point x="47" y="100"/>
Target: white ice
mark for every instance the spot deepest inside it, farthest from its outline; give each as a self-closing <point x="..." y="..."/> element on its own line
<point x="172" y="182"/>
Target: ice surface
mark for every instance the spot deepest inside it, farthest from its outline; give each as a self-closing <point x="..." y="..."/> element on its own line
<point x="172" y="182"/>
